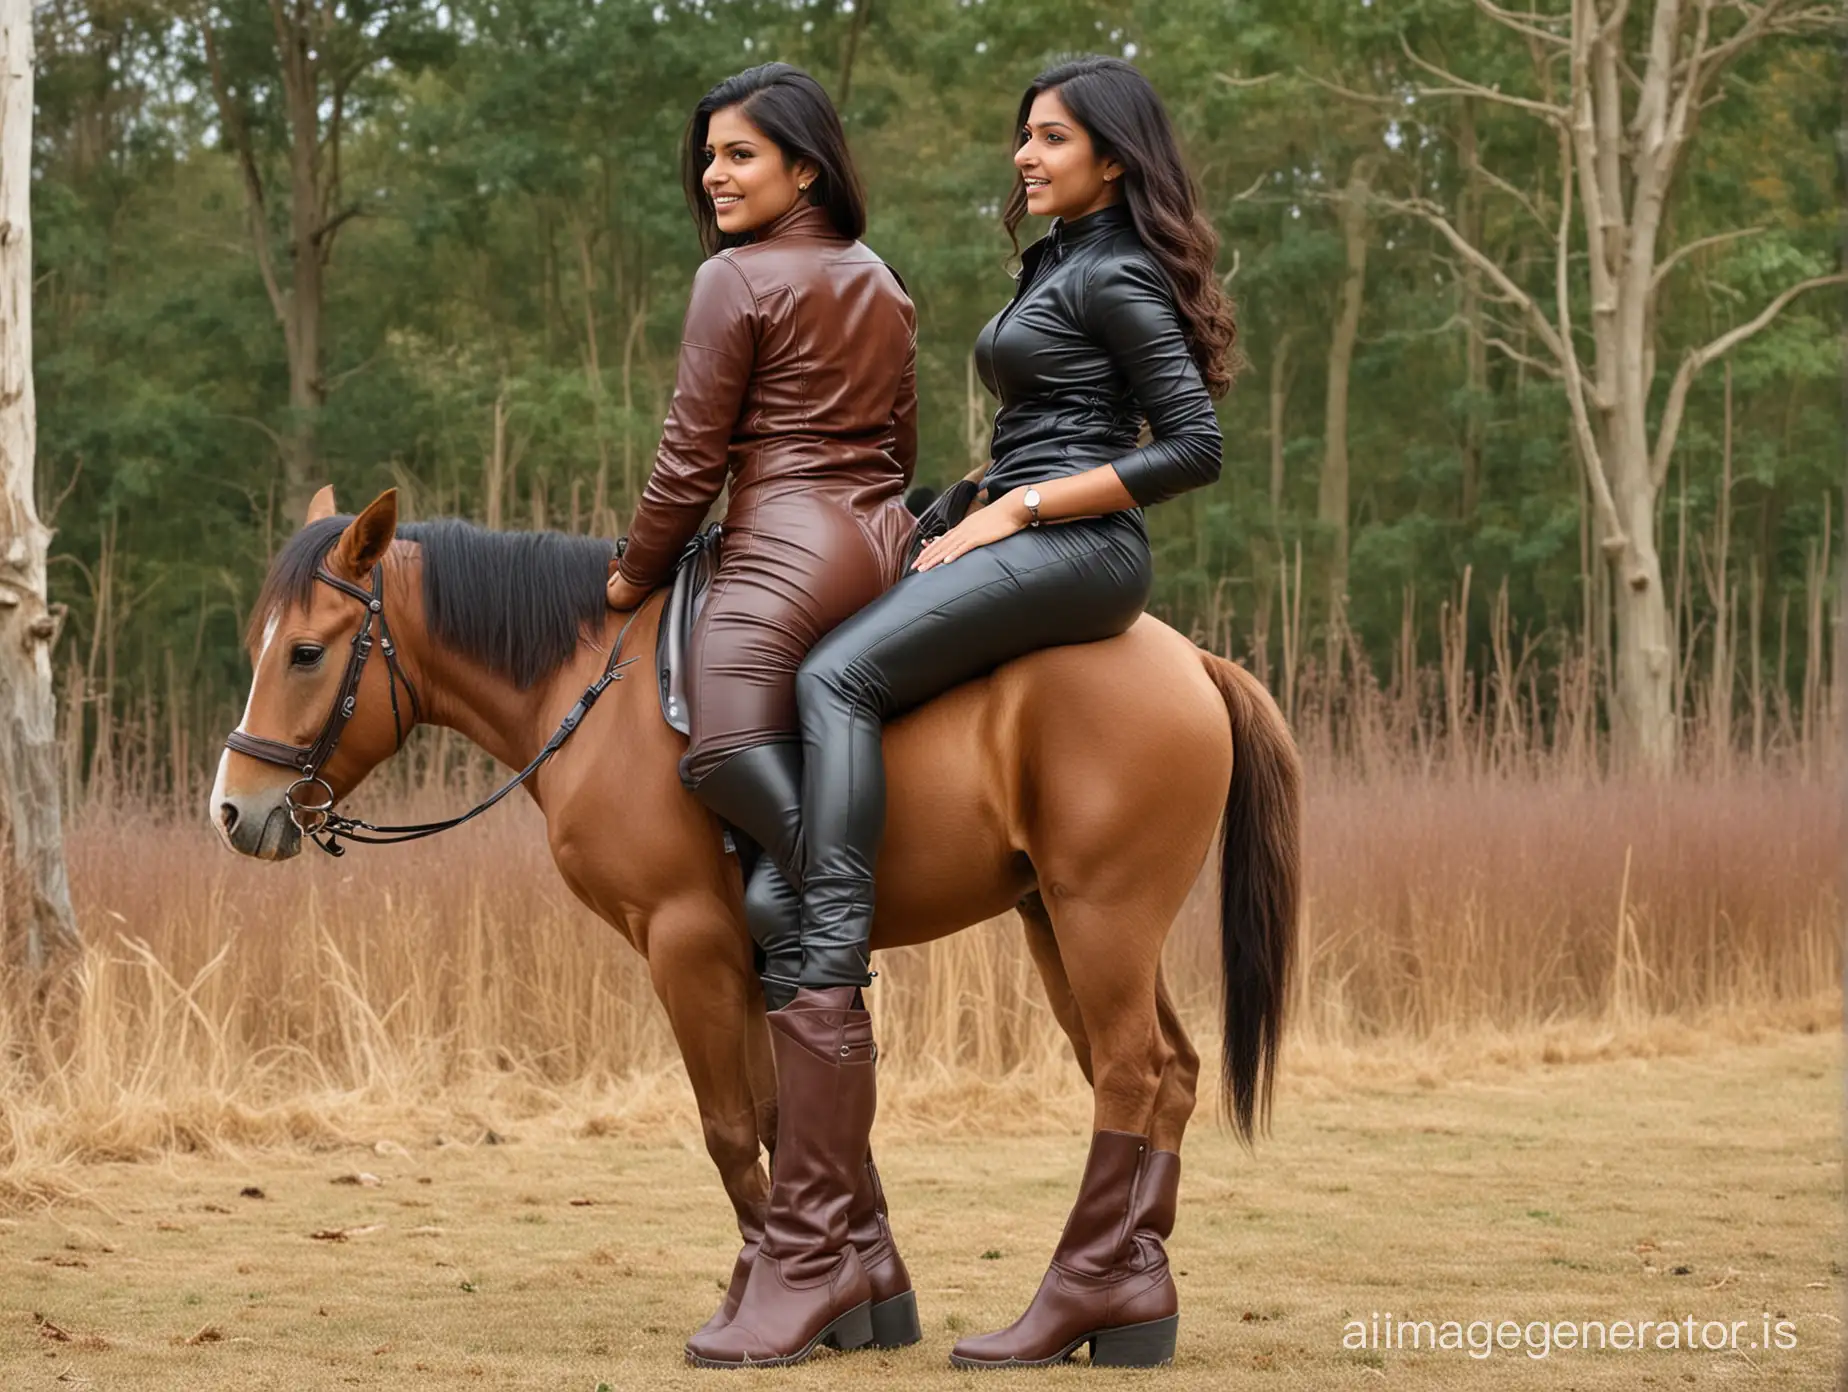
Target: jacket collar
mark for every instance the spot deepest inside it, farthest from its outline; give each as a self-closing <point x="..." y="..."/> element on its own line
<point x="1065" y="237"/>
<point x="1092" y="225"/>
<point x="805" y="219"/>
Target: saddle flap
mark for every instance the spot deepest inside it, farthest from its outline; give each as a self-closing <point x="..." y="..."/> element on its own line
<point x="693" y="572"/>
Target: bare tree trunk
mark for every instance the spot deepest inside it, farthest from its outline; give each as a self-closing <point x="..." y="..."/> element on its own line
<point x="314" y="94"/>
<point x="1332" y="494"/>
<point x="1475" y="346"/>
<point x="1280" y="378"/>
<point x="36" y="894"/>
<point x="1623" y="127"/>
<point x="850" y="50"/>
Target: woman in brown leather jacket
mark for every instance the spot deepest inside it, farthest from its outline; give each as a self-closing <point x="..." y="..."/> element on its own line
<point x="797" y="386"/>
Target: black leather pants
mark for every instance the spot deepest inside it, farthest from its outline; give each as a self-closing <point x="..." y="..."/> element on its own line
<point x="1072" y="582"/>
<point x="759" y="791"/>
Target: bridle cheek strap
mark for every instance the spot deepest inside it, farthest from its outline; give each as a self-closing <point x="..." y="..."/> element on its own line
<point x="310" y="759"/>
<point x="318" y="820"/>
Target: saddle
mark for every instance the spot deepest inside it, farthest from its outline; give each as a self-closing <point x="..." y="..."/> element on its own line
<point x="698" y="563"/>
<point x="686" y="596"/>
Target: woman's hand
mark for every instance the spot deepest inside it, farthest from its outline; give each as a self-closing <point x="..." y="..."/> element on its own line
<point x="622" y="593"/>
<point x="982" y="527"/>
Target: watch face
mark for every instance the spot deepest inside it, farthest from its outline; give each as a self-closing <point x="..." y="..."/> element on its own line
<point x="1032" y="498"/>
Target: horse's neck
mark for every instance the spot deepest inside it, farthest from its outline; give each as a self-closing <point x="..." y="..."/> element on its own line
<point x="487" y="709"/>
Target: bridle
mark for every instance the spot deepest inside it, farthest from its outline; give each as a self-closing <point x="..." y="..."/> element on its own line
<point x="310" y="759"/>
<point x="317" y="820"/>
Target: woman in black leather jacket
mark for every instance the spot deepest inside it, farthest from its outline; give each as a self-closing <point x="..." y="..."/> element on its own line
<point x="1118" y="319"/>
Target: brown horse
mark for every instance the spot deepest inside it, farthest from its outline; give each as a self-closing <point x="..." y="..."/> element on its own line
<point x="1082" y="785"/>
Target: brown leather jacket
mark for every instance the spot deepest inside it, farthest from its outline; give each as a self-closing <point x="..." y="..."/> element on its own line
<point x="797" y="374"/>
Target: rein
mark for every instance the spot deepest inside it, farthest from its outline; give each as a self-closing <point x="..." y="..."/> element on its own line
<point x="317" y="820"/>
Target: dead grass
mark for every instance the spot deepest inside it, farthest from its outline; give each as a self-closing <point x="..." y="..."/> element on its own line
<point x="568" y="1255"/>
<point x="1454" y="926"/>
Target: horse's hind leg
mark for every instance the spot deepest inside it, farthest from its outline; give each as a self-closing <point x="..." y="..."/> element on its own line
<point x="1043" y="946"/>
<point x="1113" y="1289"/>
<point x="1174" y="1099"/>
<point x="1175" y="1095"/>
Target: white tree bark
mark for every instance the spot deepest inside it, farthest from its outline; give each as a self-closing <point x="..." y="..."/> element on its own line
<point x="35" y="895"/>
<point x="1332" y="488"/>
<point x="1617" y="171"/>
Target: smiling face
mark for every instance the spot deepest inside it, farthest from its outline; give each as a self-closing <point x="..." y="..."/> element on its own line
<point x="1064" y="175"/>
<point x="747" y="177"/>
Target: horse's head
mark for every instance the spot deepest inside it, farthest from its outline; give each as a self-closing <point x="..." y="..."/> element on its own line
<point x="302" y="639"/>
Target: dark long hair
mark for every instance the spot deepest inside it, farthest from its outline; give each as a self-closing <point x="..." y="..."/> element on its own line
<point x="793" y="111"/>
<point x="1126" y="122"/>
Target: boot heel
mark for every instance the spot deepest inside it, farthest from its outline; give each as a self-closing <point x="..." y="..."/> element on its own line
<point x="850" y="1331"/>
<point x="895" y="1322"/>
<point x="1135" y="1345"/>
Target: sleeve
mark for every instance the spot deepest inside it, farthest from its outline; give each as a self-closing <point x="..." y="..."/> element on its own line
<point x="1130" y="309"/>
<point x="905" y="412"/>
<point x="718" y="349"/>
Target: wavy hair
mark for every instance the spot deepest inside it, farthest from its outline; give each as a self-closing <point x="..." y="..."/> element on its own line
<point x="794" y="112"/>
<point x="1126" y="121"/>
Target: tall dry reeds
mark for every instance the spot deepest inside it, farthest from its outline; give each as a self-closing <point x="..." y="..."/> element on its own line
<point x="224" y="1000"/>
<point x="1478" y="870"/>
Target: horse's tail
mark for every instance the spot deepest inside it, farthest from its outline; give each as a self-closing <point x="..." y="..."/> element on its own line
<point x="1260" y="890"/>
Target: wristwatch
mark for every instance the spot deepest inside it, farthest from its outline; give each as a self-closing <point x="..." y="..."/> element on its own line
<point x="1031" y="501"/>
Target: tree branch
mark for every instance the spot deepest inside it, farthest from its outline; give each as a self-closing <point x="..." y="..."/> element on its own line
<point x="1508" y="350"/>
<point x="1242" y="82"/>
<point x="1462" y="87"/>
<point x="1528" y="24"/>
<point x="1475" y="256"/>
<point x="1719" y="347"/>
<point x="1681" y="253"/>
<point x="237" y="131"/>
<point x="1491" y="177"/>
<point x="1364" y="98"/>
<point x="324" y="234"/>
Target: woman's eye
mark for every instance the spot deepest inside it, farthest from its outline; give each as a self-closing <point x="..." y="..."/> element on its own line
<point x="1054" y="139"/>
<point x="305" y="655"/>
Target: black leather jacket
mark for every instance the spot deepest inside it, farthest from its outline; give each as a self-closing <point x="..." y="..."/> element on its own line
<point x="1089" y="347"/>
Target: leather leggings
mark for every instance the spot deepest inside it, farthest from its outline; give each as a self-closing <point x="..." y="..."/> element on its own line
<point x="1073" y="582"/>
<point x="759" y="791"/>
<point x="796" y="560"/>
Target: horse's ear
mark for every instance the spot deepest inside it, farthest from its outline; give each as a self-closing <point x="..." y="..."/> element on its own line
<point x="362" y="545"/>
<point x="321" y="505"/>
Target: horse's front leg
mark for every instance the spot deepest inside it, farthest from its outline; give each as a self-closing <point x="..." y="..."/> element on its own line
<point x="700" y="961"/>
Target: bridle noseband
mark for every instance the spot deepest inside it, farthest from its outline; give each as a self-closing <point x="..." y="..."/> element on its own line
<point x="310" y="759"/>
<point x="317" y="820"/>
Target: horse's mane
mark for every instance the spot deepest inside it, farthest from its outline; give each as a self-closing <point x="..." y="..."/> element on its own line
<point x="516" y="602"/>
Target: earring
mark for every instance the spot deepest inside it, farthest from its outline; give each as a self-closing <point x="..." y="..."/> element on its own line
<point x="802" y="188"/>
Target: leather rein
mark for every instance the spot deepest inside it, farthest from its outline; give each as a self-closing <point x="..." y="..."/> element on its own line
<point x="317" y="820"/>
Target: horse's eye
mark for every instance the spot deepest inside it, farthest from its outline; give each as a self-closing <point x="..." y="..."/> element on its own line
<point x="305" y="655"/>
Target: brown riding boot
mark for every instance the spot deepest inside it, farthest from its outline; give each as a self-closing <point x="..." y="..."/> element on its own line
<point x="734" y="1290"/>
<point x="1156" y="1198"/>
<point x="895" y="1305"/>
<point x="1104" y="1287"/>
<point x="806" y="1286"/>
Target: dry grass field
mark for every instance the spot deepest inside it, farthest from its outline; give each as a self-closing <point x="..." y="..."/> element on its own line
<point x="1704" y="1184"/>
<point x="1563" y="1050"/>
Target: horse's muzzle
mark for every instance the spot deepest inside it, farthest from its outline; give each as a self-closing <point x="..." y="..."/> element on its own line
<point x="258" y="826"/>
